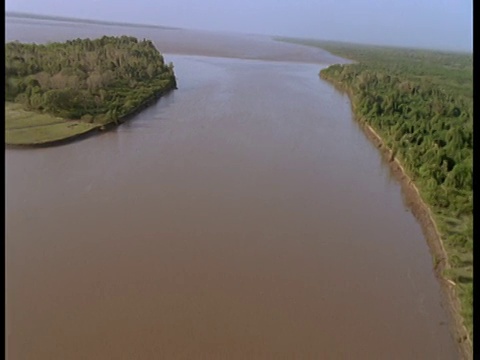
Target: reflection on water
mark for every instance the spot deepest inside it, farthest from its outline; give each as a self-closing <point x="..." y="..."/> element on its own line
<point x="242" y="216"/>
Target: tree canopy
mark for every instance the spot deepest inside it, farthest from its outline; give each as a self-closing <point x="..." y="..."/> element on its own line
<point x="96" y="80"/>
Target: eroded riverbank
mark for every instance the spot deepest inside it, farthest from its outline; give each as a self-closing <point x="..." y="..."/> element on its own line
<point x="461" y="318"/>
<point x="440" y="257"/>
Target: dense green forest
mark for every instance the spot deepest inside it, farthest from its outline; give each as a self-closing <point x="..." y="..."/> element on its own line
<point x="96" y="81"/>
<point x="421" y="103"/>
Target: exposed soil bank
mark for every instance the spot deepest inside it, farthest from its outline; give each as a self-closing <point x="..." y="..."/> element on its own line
<point x="424" y="216"/>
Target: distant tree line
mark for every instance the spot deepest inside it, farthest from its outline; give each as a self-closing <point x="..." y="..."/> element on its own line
<point x="96" y="80"/>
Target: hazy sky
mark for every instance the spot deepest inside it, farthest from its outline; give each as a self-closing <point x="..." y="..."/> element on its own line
<point x="437" y="24"/>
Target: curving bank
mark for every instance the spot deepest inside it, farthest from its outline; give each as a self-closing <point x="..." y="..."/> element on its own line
<point x="417" y="107"/>
<point x="58" y="92"/>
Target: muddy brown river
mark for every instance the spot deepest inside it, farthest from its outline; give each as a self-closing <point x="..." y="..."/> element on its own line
<point x="243" y="216"/>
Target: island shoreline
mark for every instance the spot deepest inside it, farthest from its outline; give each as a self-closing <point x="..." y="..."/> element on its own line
<point x="97" y="130"/>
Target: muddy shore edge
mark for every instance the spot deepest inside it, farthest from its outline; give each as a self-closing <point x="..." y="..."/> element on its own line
<point x="423" y="214"/>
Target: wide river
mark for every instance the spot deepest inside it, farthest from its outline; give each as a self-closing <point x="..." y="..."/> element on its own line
<point x="243" y="216"/>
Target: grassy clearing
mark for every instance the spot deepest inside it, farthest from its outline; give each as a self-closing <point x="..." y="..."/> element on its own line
<point x="30" y="128"/>
<point x="18" y="118"/>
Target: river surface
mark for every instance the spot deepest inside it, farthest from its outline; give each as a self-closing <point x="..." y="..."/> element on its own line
<point x="243" y="216"/>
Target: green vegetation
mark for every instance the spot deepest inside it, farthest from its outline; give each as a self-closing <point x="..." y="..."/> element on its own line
<point x="60" y="90"/>
<point x="421" y="103"/>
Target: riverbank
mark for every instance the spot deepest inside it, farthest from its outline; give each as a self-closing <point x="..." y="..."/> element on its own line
<point x="425" y="217"/>
<point x="420" y="104"/>
<point x="440" y="257"/>
<point x="56" y="131"/>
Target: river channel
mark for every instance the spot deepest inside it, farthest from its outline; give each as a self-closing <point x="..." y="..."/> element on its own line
<point x="243" y="216"/>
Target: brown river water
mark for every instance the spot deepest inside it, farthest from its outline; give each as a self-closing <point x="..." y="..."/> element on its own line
<point x="243" y="216"/>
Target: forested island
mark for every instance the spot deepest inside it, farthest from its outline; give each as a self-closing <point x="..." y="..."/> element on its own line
<point x="59" y="91"/>
<point x="420" y="103"/>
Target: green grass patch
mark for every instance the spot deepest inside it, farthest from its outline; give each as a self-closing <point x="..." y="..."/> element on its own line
<point x="29" y="128"/>
<point x="18" y="118"/>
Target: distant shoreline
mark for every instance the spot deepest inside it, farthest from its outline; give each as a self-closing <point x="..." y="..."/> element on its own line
<point x="21" y="15"/>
